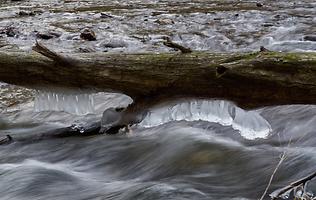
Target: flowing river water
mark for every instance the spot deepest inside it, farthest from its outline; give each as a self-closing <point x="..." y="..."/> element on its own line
<point x="188" y="149"/>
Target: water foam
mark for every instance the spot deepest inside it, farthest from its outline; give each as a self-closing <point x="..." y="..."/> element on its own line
<point x="250" y="124"/>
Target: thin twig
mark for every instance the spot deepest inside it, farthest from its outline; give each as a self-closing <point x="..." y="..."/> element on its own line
<point x="302" y="181"/>
<point x="297" y="183"/>
<point x="282" y="158"/>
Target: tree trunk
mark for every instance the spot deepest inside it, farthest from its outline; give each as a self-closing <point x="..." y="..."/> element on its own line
<point x="249" y="79"/>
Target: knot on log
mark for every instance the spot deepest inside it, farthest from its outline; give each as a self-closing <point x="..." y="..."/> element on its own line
<point x="220" y="70"/>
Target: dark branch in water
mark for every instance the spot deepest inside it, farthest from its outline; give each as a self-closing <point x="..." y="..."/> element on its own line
<point x="176" y="46"/>
<point x="301" y="182"/>
<point x="41" y="49"/>
<point x="263" y="49"/>
<point x="282" y="158"/>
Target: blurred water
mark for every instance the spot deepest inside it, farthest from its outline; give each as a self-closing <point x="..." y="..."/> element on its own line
<point x="138" y="26"/>
<point x="174" y="160"/>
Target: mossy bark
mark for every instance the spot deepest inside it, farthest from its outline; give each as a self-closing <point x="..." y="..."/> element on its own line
<point x="250" y="79"/>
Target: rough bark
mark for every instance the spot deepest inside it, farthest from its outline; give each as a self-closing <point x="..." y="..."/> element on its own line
<point x="250" y="79"/>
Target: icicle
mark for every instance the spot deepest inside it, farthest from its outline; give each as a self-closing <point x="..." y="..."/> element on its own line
<point x="250" y="124"/>
<point x="69" y="101"/>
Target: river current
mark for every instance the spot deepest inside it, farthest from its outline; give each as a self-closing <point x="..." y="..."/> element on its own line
<point x="188" y="149"/>
<point x="183" y="159"/>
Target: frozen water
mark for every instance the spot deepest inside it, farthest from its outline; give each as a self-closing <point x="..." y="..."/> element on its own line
<point x="250" y="124"/>
<point x="72" y="102"/>
<point x="109" y="118"/>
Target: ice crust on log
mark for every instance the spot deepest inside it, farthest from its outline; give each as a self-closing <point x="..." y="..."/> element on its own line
<point x="69" y="101"/>
<point x="250" y="124"/>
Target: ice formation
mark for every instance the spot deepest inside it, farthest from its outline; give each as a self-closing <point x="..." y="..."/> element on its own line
<point x="250" y="124"/>
<point x="69" y="101"/>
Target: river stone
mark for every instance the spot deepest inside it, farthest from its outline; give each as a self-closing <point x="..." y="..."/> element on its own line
<point x="164" y="21"/>
<point x="26" y="13"/>
<point x="5" y="139"/>
<point x="48" y="35"/>
<point x="88" y="34"/>
<point x="11" y="32"/>
<point x="310" y="38"/>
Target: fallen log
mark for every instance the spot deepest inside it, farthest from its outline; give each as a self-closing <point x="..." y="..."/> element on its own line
<point x="249" y="79"/>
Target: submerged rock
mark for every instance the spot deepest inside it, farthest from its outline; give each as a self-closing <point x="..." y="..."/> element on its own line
<point x="310" y="38"/>
<point x="5" y="139"/>
<point x="26" y="13"/>
<point x="48" y="35"/>
<point x="88" y="34"/>
<point x="164" y="21"/>
<point x="11" y="32"/>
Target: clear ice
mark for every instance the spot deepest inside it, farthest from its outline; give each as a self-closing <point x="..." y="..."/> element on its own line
<point x="73" y="102"/>
<point x="250" y="124"/>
